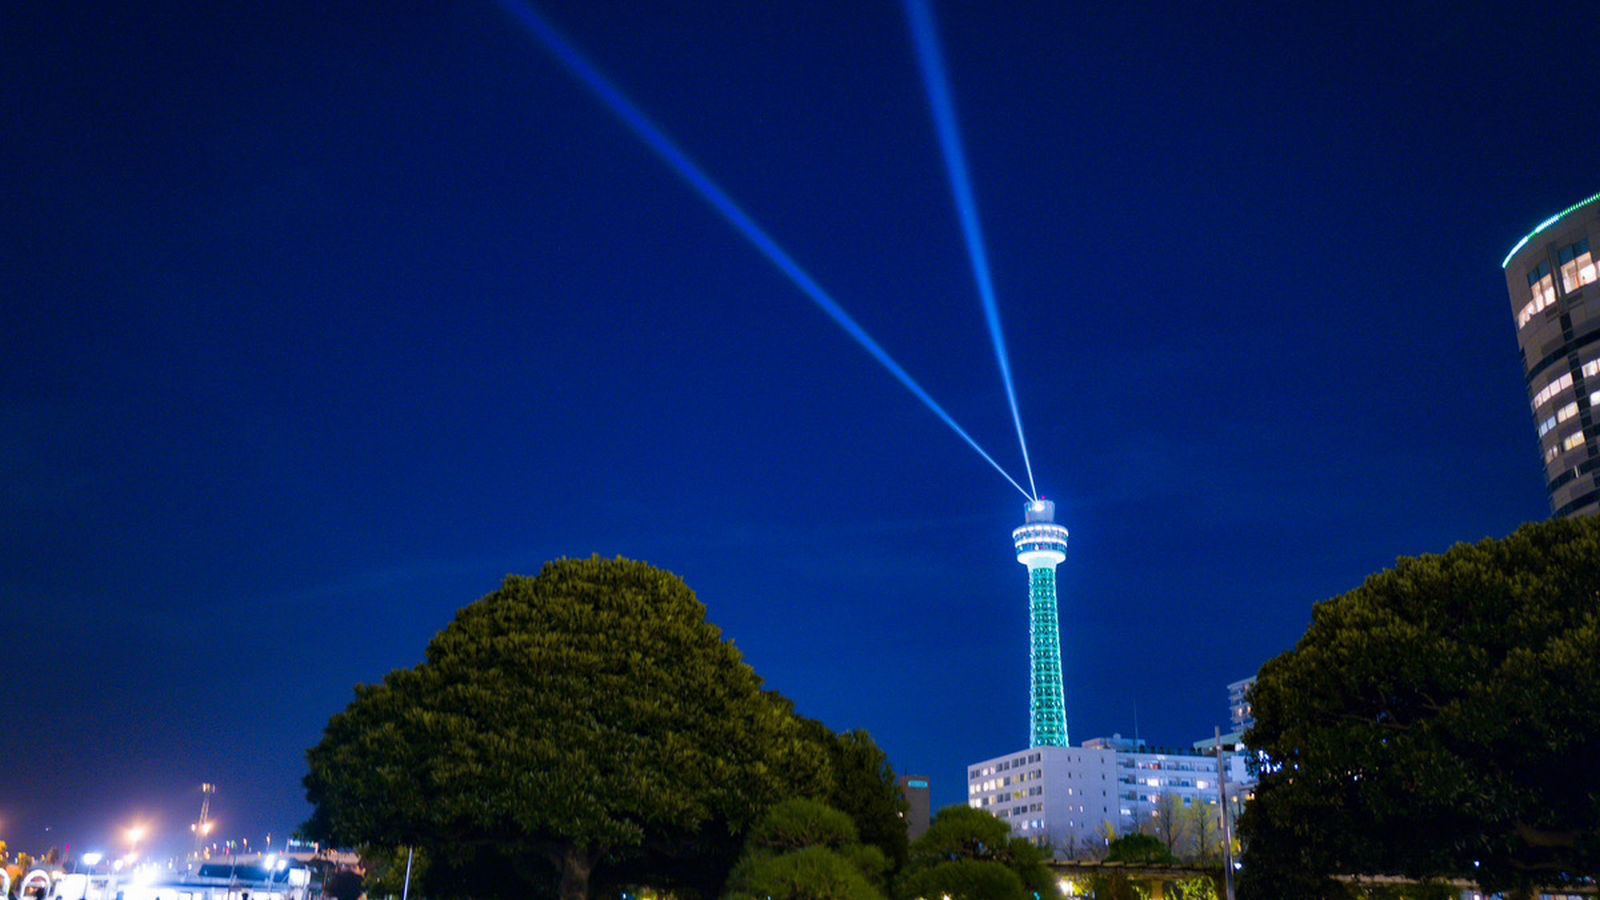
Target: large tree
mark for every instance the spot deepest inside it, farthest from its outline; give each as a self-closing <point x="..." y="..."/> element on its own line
<point x="1438" y="721"/>
<point x="581" y="720"/>
<point x="865" y="788"/>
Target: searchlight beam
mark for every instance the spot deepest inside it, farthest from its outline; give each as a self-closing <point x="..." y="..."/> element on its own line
<point x="924" y="33"/>
<point x="685" y="168"/>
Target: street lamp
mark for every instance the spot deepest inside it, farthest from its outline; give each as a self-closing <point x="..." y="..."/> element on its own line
<point x="135" y="834"/>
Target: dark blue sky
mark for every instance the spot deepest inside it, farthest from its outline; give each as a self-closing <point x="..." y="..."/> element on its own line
<point x="318" y="321"/>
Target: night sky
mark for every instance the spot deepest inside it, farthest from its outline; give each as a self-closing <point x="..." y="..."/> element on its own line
<point x="319" y="320"/>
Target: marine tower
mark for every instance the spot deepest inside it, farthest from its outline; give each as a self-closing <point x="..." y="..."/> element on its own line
<point x="1041" y="546"/>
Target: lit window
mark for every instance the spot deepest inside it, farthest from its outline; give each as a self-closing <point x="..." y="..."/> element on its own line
<point x="1577" y="267"/>
<point x="1557" y="386"/>
<point x="1567" y="412"/>
<point x="1594" y="399"/>
<point x="1550" y="454"/>
<point x="1546" y="425"/>
<point x="1541" y="290"/>
<point x="1591" y="368"/>
<point x="1574" y="439"/>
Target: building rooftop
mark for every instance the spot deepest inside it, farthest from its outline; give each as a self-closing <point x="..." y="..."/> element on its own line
<point x="1546" y="224"/>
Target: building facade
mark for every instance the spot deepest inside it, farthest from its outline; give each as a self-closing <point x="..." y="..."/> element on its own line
<point x="1555" y="304"/>
<point x="1240" y="714"/>
<point x="1070" y="800"/>
<point x="1241" y="718"/>
<point x="915" y="791"/>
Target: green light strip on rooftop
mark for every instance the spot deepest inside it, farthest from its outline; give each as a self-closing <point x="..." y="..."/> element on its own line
<point x="1546" y="224"/>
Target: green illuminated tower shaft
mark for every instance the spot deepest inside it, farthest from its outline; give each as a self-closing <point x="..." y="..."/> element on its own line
<point x="1041" y="546"/>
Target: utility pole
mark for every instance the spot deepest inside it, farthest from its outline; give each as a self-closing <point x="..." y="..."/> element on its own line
<point x="1227" y="824"/>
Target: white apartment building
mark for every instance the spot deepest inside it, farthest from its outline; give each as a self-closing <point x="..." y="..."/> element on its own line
<point x="1062" y="798"/>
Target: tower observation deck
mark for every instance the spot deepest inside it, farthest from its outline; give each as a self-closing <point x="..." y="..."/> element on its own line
<point x="1041" y="546"/>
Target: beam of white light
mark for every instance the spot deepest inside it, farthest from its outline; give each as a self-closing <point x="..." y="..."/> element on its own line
<point x="925" y="35"/>
<point x="663" y="146"/>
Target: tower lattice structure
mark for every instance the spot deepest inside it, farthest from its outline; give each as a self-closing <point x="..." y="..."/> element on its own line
<point x="1041" y="546"/>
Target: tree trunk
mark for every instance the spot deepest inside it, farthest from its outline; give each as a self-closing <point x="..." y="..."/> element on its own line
<point x="576" y="865"/>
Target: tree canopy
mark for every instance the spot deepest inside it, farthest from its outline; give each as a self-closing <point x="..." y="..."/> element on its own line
<point x="798" y="824"/>
<point x="967" y="879"/>
<point x="1140" y="848"/>
<point x="864" y="786"/>
<point x="589" y="717"/>
<point x="806" y="850"/>
<point x="962" y="854"/>
<point x="1438" y="721"/>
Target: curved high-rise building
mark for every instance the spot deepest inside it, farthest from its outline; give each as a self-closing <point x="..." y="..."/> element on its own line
<point x="1555" y="303"/>
<point x="1041" y="546"/>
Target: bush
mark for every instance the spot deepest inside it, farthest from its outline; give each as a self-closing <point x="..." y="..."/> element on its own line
<point x="964" y="834"/>
<point x="871" y="861"/>
<point x="964" y="880"/>
<point x="797" y="824"/>
<point x="814" y="873"/>
<point x="1139" y="848"/>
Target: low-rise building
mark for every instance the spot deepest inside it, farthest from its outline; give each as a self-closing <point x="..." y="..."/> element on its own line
<point x="1072" y="800"/>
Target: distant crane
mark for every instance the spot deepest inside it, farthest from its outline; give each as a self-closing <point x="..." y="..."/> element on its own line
<point x="202" y="828"/>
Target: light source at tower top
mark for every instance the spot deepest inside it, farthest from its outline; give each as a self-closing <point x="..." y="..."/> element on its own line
<point x="1041" y="546"/>
<point x="1040" y="541"/>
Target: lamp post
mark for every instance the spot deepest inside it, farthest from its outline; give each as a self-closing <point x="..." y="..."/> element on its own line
<point x="1227" y="825"/>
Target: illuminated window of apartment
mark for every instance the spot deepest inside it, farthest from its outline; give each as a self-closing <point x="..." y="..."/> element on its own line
<point x="1550" y="454"/>
<point x="1574" y="439"/>
<point x="1555" y="387"/>
<point x="1541" y="290"/>
<point x="1591" y="368"/>
<point x="1567" y="412"/>
<point x="1546" y="425"/>
<point x="1577" y="266"/>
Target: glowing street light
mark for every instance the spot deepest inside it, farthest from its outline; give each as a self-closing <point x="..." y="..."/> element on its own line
<point x="135" y="834"/>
